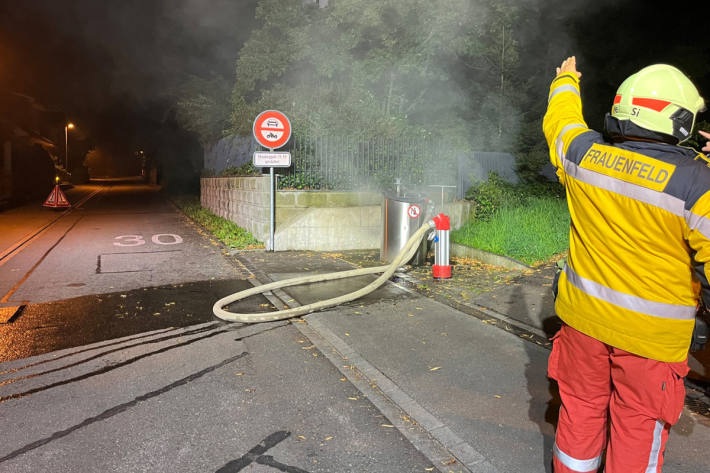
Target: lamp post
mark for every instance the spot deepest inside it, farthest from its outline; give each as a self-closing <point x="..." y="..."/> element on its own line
<point x="67" y="127"/>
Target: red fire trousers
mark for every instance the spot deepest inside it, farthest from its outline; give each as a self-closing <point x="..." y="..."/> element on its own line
<point x="607" y="392"/>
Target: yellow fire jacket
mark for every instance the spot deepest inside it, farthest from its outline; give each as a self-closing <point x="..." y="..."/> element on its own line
<point x="639" y="233"/>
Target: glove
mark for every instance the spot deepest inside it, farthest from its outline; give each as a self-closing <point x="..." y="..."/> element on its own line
<point x="701" y="331"/>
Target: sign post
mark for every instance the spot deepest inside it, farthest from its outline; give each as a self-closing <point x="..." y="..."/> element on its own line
<point x="272" y="130"/>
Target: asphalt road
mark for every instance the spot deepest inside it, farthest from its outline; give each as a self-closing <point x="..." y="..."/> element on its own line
<point x="114" y="362"/>
<point x="126" y="236"/>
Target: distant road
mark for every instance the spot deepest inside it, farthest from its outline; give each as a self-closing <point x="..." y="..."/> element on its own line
<point x="120" y="235"/>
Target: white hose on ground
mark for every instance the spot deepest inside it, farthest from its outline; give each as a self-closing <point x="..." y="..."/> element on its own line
<point x="402" y="257"/>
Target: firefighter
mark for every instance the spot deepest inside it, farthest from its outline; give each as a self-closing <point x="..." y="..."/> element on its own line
<point x="629" y="292"/>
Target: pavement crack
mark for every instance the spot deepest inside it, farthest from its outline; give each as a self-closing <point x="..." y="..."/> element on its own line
<point x="24" y="278"/>
<point x="108" y="413"/>
<point x="106" y="369"/>
<point x="268" y="329"/>
<point x="107" y="352"/>
<point x="74" y="353"/>
<point x="256" y="455"/>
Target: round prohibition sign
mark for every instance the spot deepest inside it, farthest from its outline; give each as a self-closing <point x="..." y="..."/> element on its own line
<point x="414" y="211"/>
<point x="272" y="129"/>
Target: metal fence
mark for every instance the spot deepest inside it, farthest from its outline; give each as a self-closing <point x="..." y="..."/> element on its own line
<point x="366" y="163"/>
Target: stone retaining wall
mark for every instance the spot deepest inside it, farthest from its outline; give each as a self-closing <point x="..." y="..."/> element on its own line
<point x="243" y="200"/>
<point x="305" y="220"/>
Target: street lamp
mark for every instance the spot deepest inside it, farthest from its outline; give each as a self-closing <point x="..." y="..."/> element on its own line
<point x="67" y="127"/>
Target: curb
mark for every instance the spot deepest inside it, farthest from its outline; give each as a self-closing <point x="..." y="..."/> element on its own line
<point x="432" y="438"/>
<point x="462" y="251"/>
<point x="435" y="440"/>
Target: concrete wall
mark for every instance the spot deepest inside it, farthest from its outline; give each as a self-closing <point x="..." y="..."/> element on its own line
<point x="314" y="220"/>
<point x="243" y="200"/>
<point x="306" y="220"/>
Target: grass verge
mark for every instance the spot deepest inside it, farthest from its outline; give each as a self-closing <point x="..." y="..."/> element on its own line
<point x="225" y="230"/>
<point x="532" y="233"/>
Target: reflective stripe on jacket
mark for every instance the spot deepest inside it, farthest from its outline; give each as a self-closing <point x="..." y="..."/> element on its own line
<point x="639" y="234"/>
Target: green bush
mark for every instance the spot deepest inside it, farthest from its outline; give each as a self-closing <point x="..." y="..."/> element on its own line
<point x="492" y="195"/>
<point x="529" y="164"/>
<point x="495" y="194"/>
<point x="300" y="181"/>
<point x="246" y="169"/>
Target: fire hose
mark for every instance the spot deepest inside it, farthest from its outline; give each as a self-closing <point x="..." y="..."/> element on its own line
<point x="387" y="271"/>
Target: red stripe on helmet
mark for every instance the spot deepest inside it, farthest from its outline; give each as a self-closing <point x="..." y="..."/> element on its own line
<point x="653" y="104"/>
<point x="617" y="99"/>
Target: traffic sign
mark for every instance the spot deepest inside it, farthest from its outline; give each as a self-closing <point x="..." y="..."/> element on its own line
<point x="414" y="211"/>
<point x="56" y="199"/>
<point x="266" y="159"/>
<point x="272" y="129"/>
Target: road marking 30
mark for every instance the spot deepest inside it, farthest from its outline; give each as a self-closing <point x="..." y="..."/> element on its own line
<point x="137" y="240"/>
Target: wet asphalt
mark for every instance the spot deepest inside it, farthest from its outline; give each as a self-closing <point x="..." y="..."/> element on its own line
<point x="129" y="371"/>
<point x="45" y="327"/>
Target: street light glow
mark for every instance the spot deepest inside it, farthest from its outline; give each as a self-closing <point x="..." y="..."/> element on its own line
<point x="67" y="127"/>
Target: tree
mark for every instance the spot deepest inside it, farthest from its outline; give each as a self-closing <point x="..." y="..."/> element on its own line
<point x="203" y="108"/>
<point x="388" y="67"/>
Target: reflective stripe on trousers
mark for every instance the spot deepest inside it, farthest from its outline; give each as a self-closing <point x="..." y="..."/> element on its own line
<point x="575" y="464"/>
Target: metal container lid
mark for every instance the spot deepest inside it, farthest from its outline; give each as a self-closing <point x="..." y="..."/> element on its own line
<point x="408" y="197"/>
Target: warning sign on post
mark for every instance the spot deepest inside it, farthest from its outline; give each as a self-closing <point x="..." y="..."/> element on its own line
<point x="272" y="129"/>
<point x="266" y="159"/>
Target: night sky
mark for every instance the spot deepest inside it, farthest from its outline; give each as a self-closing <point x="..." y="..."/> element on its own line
<point x="113" y="66"/>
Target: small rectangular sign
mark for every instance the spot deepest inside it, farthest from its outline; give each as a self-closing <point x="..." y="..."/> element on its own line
<point x="267" y="159"/>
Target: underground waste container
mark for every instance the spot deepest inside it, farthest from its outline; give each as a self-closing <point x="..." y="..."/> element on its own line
<point x="402" y="215"/>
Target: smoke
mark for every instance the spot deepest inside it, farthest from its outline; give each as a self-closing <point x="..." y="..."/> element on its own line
<point x="125" y="59"/>
<point x="468" y="69"/>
